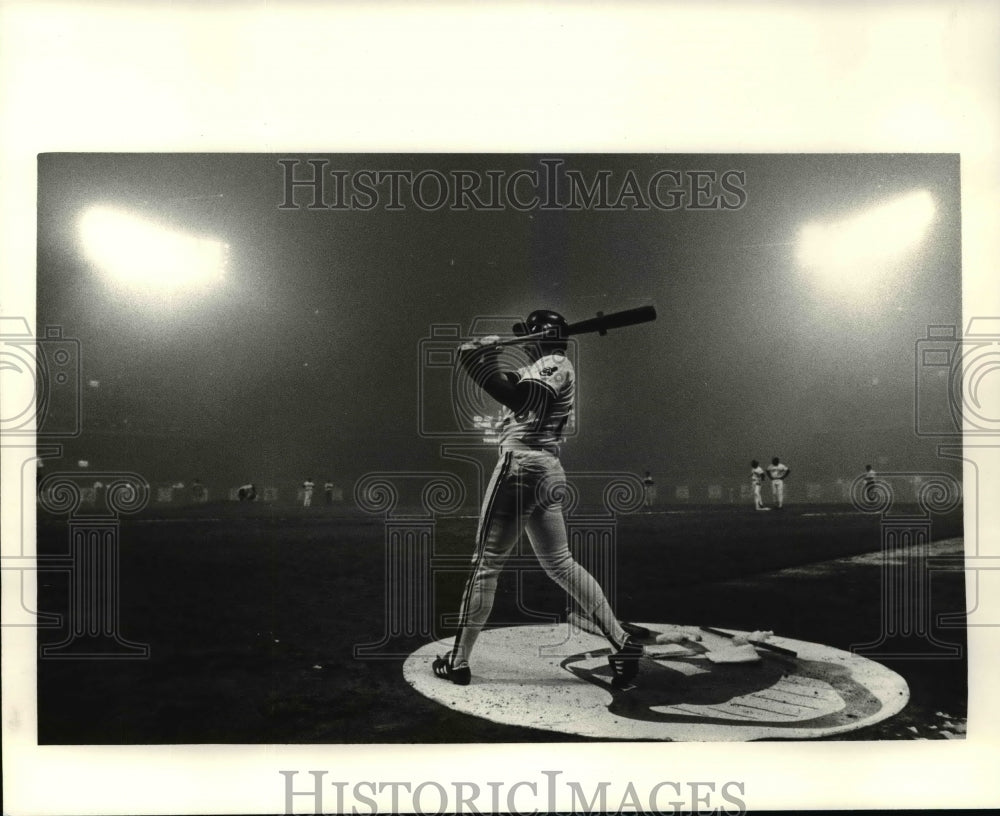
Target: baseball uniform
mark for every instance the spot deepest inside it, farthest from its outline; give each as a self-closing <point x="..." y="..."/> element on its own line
<point x="648" y="491"/>
<point x="777" y="472"/>
<point x="869" y="484"/>
<point x="524" y="493"/>
<point x="756" y="480"/>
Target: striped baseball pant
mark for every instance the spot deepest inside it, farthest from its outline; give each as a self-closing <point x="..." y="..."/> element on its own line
<point x="525" y="494"/>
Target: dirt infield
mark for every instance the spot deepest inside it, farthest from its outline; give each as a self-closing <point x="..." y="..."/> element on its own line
<point x="252" y="616"/>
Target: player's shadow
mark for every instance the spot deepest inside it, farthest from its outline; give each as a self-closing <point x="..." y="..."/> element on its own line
<point x="707" y="684"/>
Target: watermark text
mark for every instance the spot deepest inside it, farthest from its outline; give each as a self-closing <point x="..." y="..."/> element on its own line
<point x="312" y="184"/>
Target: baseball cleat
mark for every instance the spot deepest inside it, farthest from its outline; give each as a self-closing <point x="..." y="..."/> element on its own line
<point x="460" y="677"/>
<point x="625" y="663"/>
<point x="575" y="619"/>
<point x="636" y="631"/>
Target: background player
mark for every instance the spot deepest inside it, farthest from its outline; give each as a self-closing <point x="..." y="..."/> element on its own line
<point x="756" y="480"/>
<point x="199" y="493"/>
<point x="524" y="493"/>
<point x="777" y="472"/>
<point x="648" y="491"/>
<point x="307" y="492"/>
<point x="869" y="478"/>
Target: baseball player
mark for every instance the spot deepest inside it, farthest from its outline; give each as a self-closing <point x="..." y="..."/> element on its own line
<point x="869" y="478"/>
<point x="648" y="490"/>
<point x="524" y="493"/>
<point x="198" y="492"/>
<point x="777" y="472"/>
<point x="756" y="480"/>
<point x="247" y="492"/>
<point x="307" y="492"/>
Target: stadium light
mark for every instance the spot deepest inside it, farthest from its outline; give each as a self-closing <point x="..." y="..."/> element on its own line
<point x="852" y="253"/>
<point x="142" y="254"/>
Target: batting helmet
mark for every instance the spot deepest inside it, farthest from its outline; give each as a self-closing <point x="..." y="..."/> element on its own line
<point x="547" y="321"/>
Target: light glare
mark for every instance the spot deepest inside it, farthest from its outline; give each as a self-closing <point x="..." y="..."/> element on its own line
<point x="143" y="254"/>
<point x="857" y="250"/>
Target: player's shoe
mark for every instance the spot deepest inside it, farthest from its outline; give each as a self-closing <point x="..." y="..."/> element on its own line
<point x="443" y="669"/>
<point x="625" y="663"/>
<point x="578" y="621"/>
<point x="636" y="631"/>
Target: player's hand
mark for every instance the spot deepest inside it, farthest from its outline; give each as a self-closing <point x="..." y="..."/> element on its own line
<point x="479" y="350"/>
<point x="479" y="342"/>
<point x="489" y="349"/>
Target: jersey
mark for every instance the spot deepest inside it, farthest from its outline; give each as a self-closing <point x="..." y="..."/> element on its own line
<point x="777" y="471"/>
<point x="757" y="476"/>
<point x="532" y="426"/>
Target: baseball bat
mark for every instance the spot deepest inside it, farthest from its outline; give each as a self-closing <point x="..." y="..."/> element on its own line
<point x="600" y="324"/>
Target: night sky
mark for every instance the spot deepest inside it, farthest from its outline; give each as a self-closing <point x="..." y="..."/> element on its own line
<point x="307" y="359"/>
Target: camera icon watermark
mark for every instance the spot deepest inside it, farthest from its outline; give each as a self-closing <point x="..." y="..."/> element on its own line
<point x="907" y="503"/>
<point x="451" y="404"/>
<point x="40" y="381"/>
<point x="957" y="400"/>
<point x="957" y="380"/>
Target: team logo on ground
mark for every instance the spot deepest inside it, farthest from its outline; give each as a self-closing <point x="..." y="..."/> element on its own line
<point x="557" y="678"/>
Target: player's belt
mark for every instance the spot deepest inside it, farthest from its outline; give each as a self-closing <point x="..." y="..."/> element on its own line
<point x="518" y="445"/>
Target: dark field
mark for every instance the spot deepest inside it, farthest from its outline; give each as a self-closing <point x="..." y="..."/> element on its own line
<point x="251" y="615"/>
